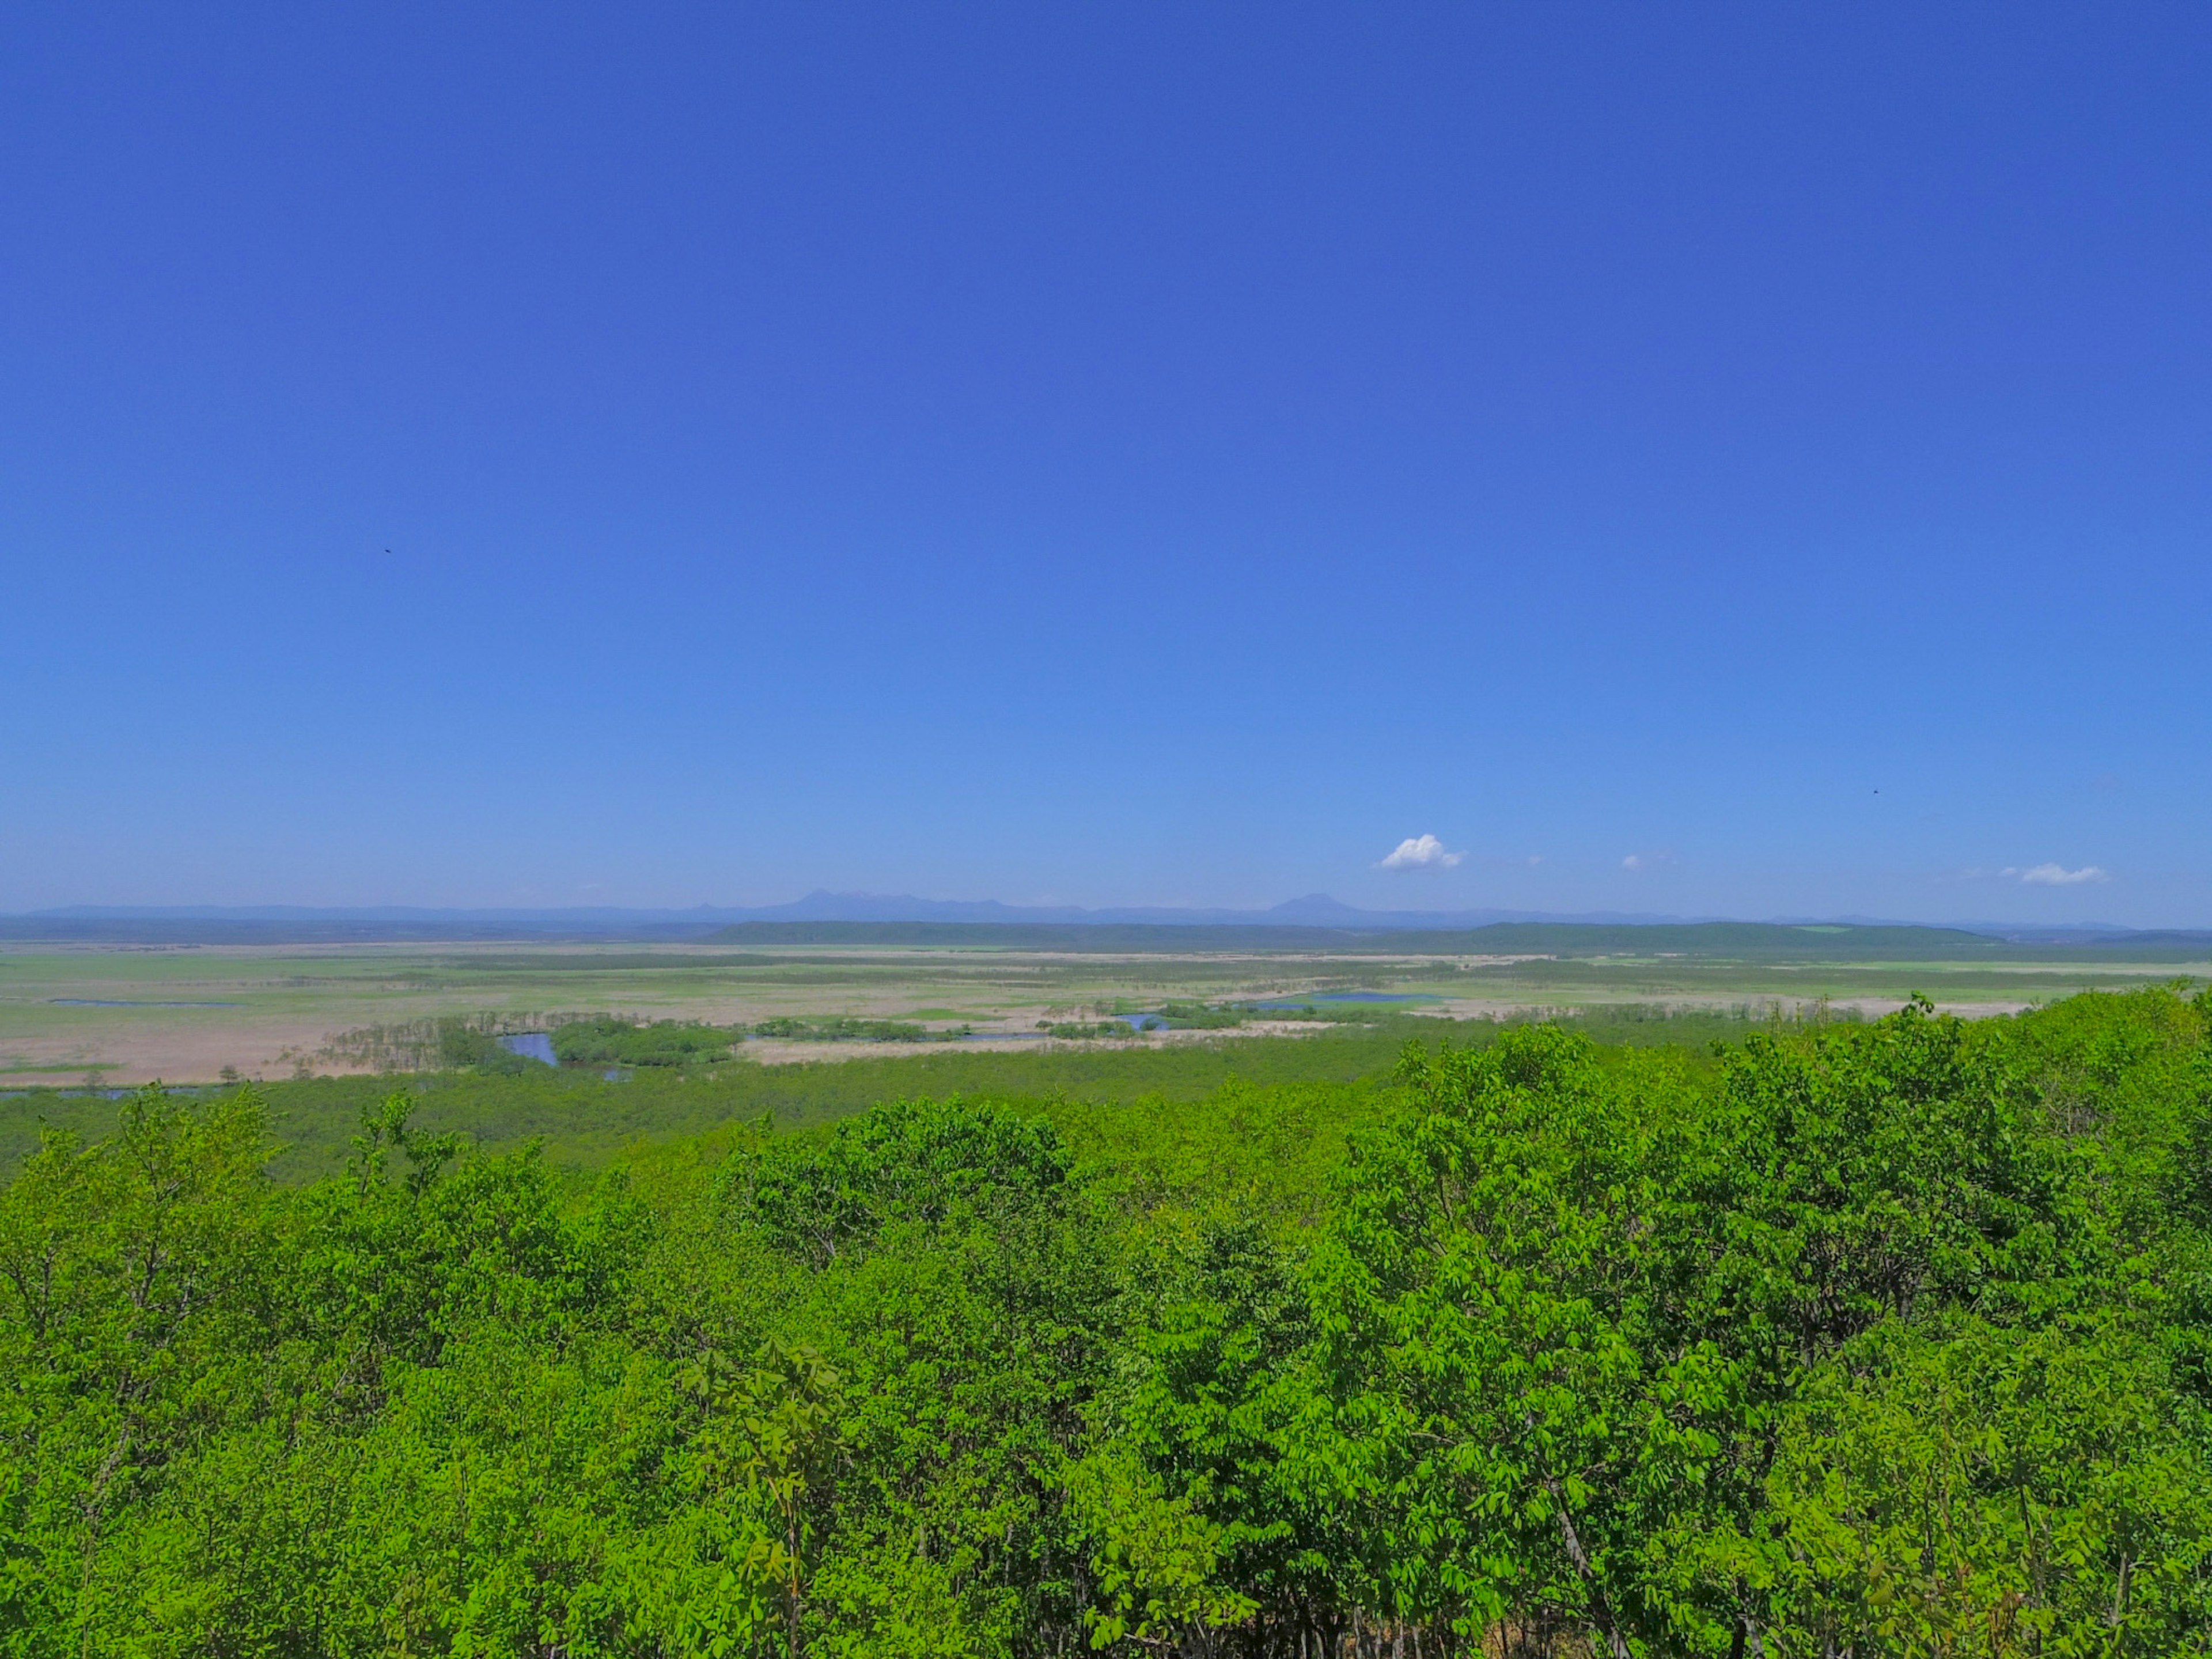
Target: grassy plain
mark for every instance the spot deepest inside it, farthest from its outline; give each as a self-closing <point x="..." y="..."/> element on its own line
<point x="79" y="1021"/>
<point x="586" y="1119"/>
<point x="182" y="1013"/>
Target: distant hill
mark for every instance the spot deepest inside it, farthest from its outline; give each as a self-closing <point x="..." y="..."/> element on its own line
<point x="1313" y="910"/>
<point x="118" y="926"/>
<point x="1742" y="941"/>
<point x="1315" y="922"/>
<point x="286" y="924"/>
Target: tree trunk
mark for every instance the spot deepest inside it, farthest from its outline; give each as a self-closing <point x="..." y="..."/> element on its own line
<point x="1599" y="1607"/>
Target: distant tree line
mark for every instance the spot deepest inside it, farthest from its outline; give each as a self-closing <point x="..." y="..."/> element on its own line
<point x="440" y="1043"/>
<point x="610" y="1039"/>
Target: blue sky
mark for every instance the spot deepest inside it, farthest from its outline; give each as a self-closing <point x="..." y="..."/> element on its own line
<point x="1745" y="460"/>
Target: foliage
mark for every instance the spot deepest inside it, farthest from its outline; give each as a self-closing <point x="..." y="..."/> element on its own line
<point x="1885" y="1337"/>
<point x="845" y="1028"/>
<point x="585" y="1119"/>
<point x="1201" y="1016"/>
<point x="611" y="1040"/>
<point x="449" y="1042"/>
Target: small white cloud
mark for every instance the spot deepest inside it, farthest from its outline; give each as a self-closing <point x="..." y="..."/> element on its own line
<point x="2055" y="875"/>
<point x="1420" y="852"/>
<point x="1632" y="862"/>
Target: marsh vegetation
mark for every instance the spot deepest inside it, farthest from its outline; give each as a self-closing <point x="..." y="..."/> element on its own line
<point x="182" y="1013"/>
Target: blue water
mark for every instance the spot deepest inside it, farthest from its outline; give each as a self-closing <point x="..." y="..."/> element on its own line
<point x="105" y="1002"/>
<point x="531" y="1045"/>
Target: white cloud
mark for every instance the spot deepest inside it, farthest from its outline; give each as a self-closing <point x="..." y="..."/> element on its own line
<point x="2056" y="875"/>
<point x="1420" y="852"/>
<point x="1632" y="862"/>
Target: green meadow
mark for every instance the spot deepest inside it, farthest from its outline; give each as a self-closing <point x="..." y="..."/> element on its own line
<point x="585" y="1119"/>
<point x="184" y="1012"/>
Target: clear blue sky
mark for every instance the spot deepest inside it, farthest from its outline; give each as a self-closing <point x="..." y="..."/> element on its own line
<point x="1109" y="454"/>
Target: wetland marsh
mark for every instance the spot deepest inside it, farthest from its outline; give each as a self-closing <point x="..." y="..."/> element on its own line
<point x="188" y="1013"/>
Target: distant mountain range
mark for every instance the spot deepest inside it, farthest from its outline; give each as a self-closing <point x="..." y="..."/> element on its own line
<point x="242" y="923"/>
<point x="1314" y="910"/>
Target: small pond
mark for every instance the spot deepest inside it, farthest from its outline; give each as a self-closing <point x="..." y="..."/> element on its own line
<point x="531" y="1045"/>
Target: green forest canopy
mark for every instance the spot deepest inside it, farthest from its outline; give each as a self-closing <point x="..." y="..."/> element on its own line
<point x="1882" y="1339"/>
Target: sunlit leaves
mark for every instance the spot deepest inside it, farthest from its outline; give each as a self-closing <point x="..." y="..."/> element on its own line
<point x="1886" y="1338"/>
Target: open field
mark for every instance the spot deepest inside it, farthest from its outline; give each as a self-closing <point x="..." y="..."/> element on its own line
<point x="585" y="1119"/>
<point x="185" y="1012"/>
